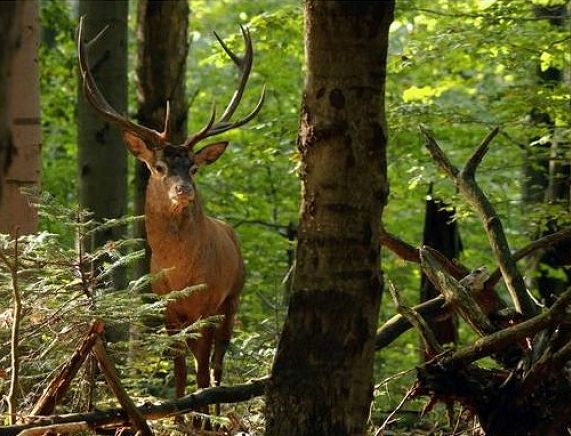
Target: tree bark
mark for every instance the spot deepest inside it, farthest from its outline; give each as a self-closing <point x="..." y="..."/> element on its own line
<point x="322" y="375"/>
<point x="15" y="209"/>
<point x="9" y="39"/>
<point x="102" y="158"/>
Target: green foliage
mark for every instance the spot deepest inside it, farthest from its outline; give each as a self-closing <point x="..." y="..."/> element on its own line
<point x="58" y="98"/>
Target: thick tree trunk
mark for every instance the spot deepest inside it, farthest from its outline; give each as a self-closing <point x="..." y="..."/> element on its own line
<point x="16" y="213"/>
<point x="322" y="375"/>
<point x="162" y="28"/>
<point x="9" y="39"/>
<point x="102" y="156"/>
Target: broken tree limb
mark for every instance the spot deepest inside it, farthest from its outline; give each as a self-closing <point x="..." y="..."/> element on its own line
<point x="73" y="427"/>
<point x="456" y="294"/>
<point x="117" y="417"/>
<point x="397" y="325"/>
<point x="112" y="377"/>
<point x="401" y="248"/>
<point x="409" y="253"/>
<point x="550" y="362"/>
<point x="60" y="383"/>
<point x="473" y="194"/>
<point x="498" y="341"/>
<point x="429" y="340"/>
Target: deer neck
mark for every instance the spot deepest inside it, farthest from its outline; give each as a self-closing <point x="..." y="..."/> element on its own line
<point x="169" y="227"/>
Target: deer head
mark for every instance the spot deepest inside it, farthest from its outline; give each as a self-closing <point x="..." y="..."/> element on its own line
<point x="172" y="166"/>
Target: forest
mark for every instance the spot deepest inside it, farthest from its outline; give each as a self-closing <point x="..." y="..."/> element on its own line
<point x="285" y="217"/>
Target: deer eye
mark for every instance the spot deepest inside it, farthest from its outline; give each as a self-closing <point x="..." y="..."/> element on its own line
<point x="161" y="168"/>
<point x="193" y="170"/>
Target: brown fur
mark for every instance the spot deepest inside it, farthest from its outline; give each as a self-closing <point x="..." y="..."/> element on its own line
<point x="189" y="248"/>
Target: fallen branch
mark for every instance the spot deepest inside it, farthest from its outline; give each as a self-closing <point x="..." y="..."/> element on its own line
<point x="72" y="427"/>
<point x="60" y="383"/>
<point x="437" y="307"/>
<point x="118" y="417"/>
<point x="110" y="373"/>
<point x="397" y="325"/>
<point x="429" y="340"/>
<point x="500" y="340"/>
<point x="409" y="253"/>
<point x="456" y="294"/>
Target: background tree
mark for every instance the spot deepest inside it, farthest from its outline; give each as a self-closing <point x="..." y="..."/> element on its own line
<point x="162" y="46"/>
<point x="15" y="209"/>
<point x="547" y="176"/>
<point x="322" y="375"/>
<point x="9" y="37"/>
<point x="102" y="156"/>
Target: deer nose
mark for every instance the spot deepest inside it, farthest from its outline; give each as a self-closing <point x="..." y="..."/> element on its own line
<point x="182" y="189"/>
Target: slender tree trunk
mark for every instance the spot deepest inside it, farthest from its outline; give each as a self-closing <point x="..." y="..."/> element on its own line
<point x="102" y="155"/>
<point x="9" y="39"/>
<point x="15" y="209"/>
<point x="322" y="375"/>
<point x="162" y="28"/>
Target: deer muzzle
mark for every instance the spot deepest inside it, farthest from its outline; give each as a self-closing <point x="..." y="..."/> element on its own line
<point x="182" y="193"/>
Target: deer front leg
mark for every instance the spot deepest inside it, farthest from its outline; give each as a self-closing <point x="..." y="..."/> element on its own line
<point x="222" y="336"/>
<point x="200" y="348"/>
<point x="179" y="358"/>
<point x="180" y="371"/>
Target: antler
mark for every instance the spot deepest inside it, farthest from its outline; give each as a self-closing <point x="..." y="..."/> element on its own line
<point x="156" y="139"/>
<point x="223" y="124"/>
<point x="151" y="137"/>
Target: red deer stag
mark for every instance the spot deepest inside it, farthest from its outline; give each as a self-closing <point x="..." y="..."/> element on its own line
<point x="189" y="247"/>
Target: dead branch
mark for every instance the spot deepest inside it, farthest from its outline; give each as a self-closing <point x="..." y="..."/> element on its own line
<point x="73" y="427"/>
<point x="471" y="191"/>
<point x="550" y="362"/>
<point x="399" y="247"/>
<point x="429" y="340"/>
<point x="456" y="294"/>
<point x="500" y="340"/>
<point x="108" y="369"/>
<point x="118" y="417"/>
<point x="397" y="325"/>
<point x="60" y="383"/>
<point x="409" y="253"/>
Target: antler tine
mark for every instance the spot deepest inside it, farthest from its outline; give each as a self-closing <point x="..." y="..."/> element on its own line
<point x="98" y="101"/>
<point x="202" y="133"/>
<point x="245" y="66"/>
<point x="166" y="129"/>
<point x="223" y="127"/>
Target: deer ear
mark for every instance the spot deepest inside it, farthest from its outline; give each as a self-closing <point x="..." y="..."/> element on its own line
<point x="138" y="147"/>
<point x="210" y="153"/>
